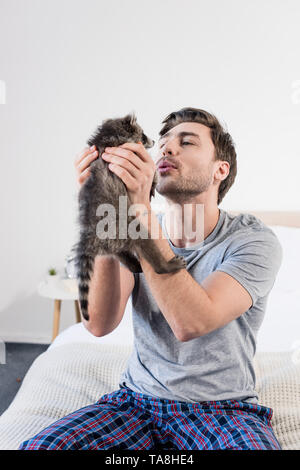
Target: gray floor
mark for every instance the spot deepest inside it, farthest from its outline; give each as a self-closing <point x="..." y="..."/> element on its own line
<point x="18" y="358"/>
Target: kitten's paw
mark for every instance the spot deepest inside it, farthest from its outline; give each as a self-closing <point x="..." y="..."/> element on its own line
<point x="178" y="262"/>
<point x="175" y="264"/>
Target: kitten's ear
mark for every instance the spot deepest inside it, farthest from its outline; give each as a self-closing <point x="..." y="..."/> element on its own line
<point x="132" y="118"/>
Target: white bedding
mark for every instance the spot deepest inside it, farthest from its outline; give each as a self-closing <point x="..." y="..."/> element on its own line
<point x="61" y="380"/>
<point x="71" y="375"/>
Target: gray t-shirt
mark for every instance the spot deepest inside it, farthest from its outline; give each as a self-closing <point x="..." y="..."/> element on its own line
<point x="218" y="365"/>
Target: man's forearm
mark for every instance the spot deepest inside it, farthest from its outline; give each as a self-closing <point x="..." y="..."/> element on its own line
<point x="183" y="302"/>
<point x="104" y="296"/>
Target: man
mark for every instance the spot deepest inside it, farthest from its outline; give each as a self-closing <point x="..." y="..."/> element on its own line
<point x="190" y="382"/>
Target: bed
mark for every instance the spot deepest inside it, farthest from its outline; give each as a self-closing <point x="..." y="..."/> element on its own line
<point x="78" y="368"/>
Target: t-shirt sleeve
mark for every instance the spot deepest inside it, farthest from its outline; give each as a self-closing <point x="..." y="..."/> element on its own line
<point x="254" y="259"/>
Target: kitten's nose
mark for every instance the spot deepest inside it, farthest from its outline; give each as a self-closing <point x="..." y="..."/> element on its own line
<point x="150" y="142"/>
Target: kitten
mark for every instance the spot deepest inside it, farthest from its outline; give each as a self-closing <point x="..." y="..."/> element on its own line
<point x="104" y="187"/>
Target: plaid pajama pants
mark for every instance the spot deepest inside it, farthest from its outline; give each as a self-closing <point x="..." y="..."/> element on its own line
<point x="128" y="420"/>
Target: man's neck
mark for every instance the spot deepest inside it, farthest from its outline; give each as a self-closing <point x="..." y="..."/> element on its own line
<point x="191" y="223"/>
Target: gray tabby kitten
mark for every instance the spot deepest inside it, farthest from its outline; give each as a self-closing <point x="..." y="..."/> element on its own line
<point x="104" y="187"/>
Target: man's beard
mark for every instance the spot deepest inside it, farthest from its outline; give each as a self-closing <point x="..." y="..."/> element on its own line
<point x="178" y="188"/>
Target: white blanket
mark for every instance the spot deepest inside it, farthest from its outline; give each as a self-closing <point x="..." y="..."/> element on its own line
<point x="71" y="376"/>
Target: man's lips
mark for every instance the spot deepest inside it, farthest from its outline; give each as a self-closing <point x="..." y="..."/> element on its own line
<point x="163" y="169"/>
<point x="166" y="165"/>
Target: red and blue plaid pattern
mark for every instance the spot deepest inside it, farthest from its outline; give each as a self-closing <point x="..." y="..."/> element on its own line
<point x="128" y="420"/>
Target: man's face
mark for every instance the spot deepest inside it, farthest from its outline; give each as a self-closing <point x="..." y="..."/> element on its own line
<point x="193" y="156"/>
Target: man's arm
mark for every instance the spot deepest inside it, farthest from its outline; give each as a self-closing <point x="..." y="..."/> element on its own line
<point x="109" y="290"/>
<point x="192" y="309"/>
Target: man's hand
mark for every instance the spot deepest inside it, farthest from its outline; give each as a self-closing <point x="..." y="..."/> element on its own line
<point x="133" y="164"/>
<point x="82" y="163"/>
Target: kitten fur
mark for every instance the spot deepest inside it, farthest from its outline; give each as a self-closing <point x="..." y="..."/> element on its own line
<point x="105" y="187"/>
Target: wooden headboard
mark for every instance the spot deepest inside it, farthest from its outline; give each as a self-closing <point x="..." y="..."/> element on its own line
<point x="285" y="218"/>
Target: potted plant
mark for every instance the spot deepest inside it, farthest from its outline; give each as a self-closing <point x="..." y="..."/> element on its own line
<point x="52" y="277"/>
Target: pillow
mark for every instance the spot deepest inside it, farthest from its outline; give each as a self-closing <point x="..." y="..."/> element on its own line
<point x="280" y="330"/>
<point x="122" y="335"/>
<point x="288" y="275"/>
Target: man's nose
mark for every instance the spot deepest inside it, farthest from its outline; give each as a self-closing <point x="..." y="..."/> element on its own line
<point x="167" y="150"/>
<point x="170" y="147"/>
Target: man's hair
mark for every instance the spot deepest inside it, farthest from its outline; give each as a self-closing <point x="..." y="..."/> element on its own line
<point x="224" y="146"/>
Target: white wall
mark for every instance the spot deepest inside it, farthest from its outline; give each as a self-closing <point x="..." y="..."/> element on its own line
<point x="68" y="64"/>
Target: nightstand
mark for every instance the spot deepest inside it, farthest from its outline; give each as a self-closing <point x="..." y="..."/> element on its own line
<point x="58" y="290"/>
